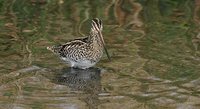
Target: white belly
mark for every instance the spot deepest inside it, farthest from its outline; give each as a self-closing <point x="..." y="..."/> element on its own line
<point x="82" y="64"/>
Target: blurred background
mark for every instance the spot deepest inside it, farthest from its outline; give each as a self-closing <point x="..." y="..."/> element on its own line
<point x="154" y="47"/>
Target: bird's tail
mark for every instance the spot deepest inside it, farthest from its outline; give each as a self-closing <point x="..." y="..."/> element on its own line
<point x="54" y="49"/>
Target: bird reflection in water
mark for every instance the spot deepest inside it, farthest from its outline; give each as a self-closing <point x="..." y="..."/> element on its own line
<point x="87" y="81"/>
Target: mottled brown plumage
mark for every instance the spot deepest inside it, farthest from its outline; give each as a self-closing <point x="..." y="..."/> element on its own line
<point x="84" y="52"/>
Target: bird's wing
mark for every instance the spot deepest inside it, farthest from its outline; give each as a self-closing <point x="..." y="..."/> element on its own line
<point x="72" y="46"/>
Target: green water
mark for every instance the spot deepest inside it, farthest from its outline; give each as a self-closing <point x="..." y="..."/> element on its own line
<point x="154" y="47"/>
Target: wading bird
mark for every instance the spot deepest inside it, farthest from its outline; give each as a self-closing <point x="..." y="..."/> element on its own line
<point x="83" y="52"/>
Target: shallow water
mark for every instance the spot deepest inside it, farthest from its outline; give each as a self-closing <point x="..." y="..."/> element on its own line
<point x="154" y="48"/>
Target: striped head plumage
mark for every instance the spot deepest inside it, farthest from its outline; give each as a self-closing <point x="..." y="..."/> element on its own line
<point x="97" y="26"/>
<point x="83" y="52"/>
<point x="96" y="30"/>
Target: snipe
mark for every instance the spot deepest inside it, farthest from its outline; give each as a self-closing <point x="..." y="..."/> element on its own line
<point x="83" y="52"/>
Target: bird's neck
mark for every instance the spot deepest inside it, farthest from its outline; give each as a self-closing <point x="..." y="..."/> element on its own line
<point x="95" y="40"/>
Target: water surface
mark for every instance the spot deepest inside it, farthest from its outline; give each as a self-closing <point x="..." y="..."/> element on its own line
<point x="154" y="47"/>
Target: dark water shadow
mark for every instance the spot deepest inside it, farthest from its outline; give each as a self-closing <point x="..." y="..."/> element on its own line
<point x="78" y="79"/>
<point x="84" y="84"/>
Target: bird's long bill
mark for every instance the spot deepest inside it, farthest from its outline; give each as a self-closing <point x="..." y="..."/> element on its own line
<point x="103" y="43"/>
